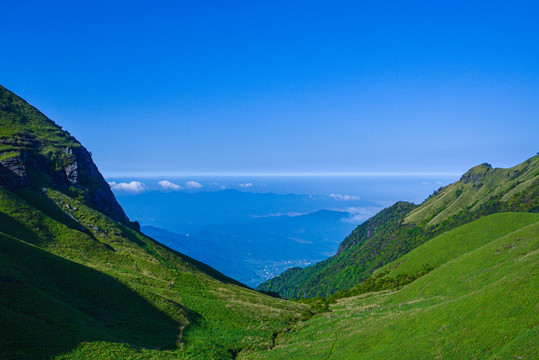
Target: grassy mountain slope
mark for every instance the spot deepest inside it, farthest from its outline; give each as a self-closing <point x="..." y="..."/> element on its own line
<point x="50" y="305"/>
<point x="79" y="281"/>
<point x="403" y="227"/>
<point x="207" y="312"/>
<point x="459" y="241"/>
<point x="480" y="303"/>
<point x="35" y="152"/>
<point x="340" y="271"/>
<point x="477" y="187"/>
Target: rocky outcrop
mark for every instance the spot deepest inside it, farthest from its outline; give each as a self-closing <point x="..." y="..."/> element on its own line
<point x="72" y="175"/>
<point x="475" y="174"/>
<point x="13" y="172"/>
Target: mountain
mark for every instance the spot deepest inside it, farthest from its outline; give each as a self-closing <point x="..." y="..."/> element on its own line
<point x="301" y="240"/>
<point x="35" y="152"/>
<point x="478" y="300"/>
<point x="77" y="278"/>
<point x="403" y="226"/>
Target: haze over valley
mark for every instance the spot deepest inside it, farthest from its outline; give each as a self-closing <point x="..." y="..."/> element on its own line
<point x="254" y="221"/>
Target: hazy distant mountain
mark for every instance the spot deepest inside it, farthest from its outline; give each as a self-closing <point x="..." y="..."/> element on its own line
<point x="183" y="212"/>
<point x="262" y="247"/>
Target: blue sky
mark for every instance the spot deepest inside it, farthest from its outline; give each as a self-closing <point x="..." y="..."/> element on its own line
<point x="172" y="87"/>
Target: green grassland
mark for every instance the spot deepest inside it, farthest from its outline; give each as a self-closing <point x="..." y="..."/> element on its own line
<point x="76" y="284"/>
<point x="459" y="241"/>
<point x="479" y="303"/>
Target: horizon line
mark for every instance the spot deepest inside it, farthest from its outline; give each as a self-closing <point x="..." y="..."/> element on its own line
<point x="128" y="174"/>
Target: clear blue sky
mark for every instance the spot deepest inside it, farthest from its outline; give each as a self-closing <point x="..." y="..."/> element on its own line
<point x="156" y="87"/>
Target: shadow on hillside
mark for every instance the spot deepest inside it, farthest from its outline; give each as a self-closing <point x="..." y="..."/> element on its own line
<point x="9" y="225"/>
<point x="49" y="305"/>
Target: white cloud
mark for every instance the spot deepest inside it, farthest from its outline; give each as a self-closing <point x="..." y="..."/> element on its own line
<point x="134" y="187"/>
<point x="344" y="197"/>
<point x="425" y="183"/>
<point x="360" y="214"/>
<point x="169" y="186"/>
<point x="246" y="185"/>
<point x="193" y="185"/>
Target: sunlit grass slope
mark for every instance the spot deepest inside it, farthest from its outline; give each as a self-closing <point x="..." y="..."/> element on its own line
<point x="459" y="241"/>
<point x="476" y="304"/>
<point x="479" y="188"/>
<point x="76" y="282"/>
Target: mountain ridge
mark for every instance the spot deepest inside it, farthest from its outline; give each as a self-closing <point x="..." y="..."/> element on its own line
<point x="403" y="226"/>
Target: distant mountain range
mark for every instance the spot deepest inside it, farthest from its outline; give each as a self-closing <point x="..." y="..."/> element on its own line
<point x="263" y="247"/>
<point x="185" y="213"/>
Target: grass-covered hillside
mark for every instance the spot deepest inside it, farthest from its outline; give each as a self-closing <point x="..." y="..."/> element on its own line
<point x="78" y="284"/>
<point x="479" y="301"/>
<point x="403" y="227"/>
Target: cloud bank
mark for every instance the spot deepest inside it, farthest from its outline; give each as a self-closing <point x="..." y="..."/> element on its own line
<point x="134" y="187"/>
<point x="193" y="185"/>
<point x="246" y="185"/>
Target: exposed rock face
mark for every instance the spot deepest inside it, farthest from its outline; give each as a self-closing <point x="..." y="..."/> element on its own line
<point x="476" y="173"/>
<point x="71" y="172"/>
<point x="13" y="172"/>
<point x="83" y="171"/>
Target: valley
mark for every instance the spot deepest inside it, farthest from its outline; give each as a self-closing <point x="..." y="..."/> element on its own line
<point x="453" y="277"/>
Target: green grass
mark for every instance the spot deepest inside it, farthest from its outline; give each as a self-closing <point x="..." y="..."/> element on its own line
<point x="459" y="241"/>
<point x="481" y="304"/>
<point x="86" y="284"/>
<point x="49" y="305"/>
<point x="19" y="120"/>
<point x="475" y="189"/>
